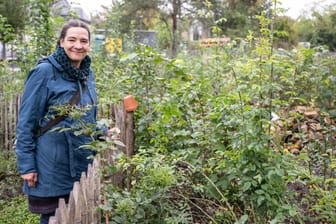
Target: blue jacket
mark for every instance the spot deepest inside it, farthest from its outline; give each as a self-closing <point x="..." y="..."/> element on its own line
<point x="56" y="156"/>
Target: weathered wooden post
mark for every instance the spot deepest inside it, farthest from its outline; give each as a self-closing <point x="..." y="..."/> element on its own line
<point x="124" y="121"/>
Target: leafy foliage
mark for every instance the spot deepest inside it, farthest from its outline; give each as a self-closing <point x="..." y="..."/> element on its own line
<point x="13" y="205"/>
<point x="42" y="34"/>
<point x="10" y="182"/>
<point x="15" y="13"/>
<point x="6" y="30"/>
<point x="17" y="212"/>
<point x="318" y="29"/>
<point x="149" y="200"/>
<point x="208" y="122"/>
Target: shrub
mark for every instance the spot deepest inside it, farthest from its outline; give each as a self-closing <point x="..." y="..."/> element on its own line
<point x="16" y="211"/>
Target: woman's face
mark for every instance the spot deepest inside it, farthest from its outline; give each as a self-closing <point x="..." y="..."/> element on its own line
<point x="76" y="44"/>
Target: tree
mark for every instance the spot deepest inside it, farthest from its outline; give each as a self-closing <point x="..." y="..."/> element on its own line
<point x="15" y="12"/>
<point x="40" y="29"/>
<point x="239" y="16"/>
<point x="12" y="21"/>
<point x="173" y="9"/>
<point x="285" y="35"/>
<point x="146" y="14"/>
<point x="6" y="34"/>
<point x="124" y="17"/>
<point x="325" y="26"/>
<point x="319" y="28"/>
<point x="233" y="17"/>
<point x="305" y="29"/>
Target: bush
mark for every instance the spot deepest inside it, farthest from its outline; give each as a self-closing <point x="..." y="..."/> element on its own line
<point x="16" y="211"/>
<point x="10" y="181"/>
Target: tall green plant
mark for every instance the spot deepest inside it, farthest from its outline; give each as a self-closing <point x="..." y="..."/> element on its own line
<point x="41" y="34"/>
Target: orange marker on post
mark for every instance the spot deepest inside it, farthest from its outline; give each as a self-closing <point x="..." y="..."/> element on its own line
<point x="130" y="103"/>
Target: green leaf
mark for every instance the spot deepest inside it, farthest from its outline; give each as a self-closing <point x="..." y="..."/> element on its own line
<point x="260" y="200"/>
<point x="128" y="57"/>
<point x="246" y="186"/>
<point x="292" y="212"/>
<point x="243" y="219"/>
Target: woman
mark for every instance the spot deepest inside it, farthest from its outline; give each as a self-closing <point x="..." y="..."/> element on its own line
<point x="50" y="162"/>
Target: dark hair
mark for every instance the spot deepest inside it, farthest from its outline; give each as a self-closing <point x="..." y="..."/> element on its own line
<point x="70" y="24"/>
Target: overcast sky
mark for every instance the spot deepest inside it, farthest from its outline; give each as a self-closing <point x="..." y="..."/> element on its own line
<point x="91" y="6"/>
<point x="294" y="7"/>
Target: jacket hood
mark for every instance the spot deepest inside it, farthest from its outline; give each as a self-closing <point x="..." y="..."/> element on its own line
<point x="52" y="60"/>
<point x="60" y="69"/>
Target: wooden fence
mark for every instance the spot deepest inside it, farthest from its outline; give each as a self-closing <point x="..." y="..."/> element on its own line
<point x="86" y="195"/>
<point x="83" y="200"/>
<point x="9" y="111"/>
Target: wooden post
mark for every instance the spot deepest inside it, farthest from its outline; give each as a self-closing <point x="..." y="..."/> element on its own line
<point x="82" y="190"/>
<point x="119" y="112"/>
<point x="129" y="145"/>
<point x="97" y="188"/>
<point x="130" y="105"/>
<point x="71" y="207"/>
<point x="6" y="122"/>
<point x="77" y="198"/>
<point x="11" y="123"/>
<point x="2" y="122"/>
<point x="61" y="212"/>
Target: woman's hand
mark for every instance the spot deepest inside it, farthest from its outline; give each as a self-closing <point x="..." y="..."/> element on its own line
<point x="113" y="133"/>
<point x="31" y="179"/>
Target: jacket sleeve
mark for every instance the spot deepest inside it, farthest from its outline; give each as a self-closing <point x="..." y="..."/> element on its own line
<point x="32" y="109"/>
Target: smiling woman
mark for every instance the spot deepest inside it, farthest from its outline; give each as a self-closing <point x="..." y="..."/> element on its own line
<point x="50" y="161"/>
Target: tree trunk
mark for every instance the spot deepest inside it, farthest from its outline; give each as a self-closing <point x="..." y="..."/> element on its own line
<point x="176" y="9"/>
<point x="3" y="50"/>
<point x="174" y="40"/>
